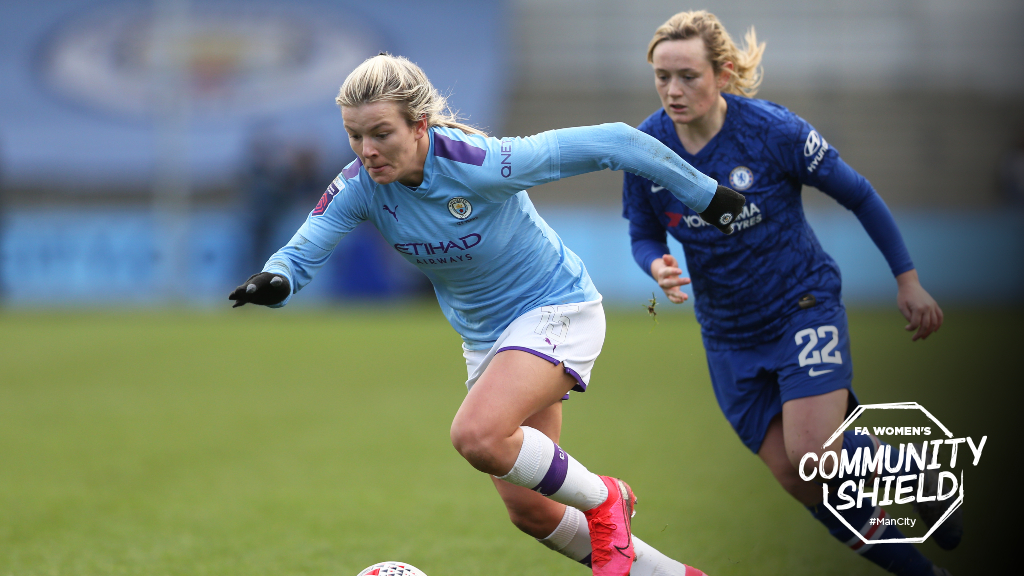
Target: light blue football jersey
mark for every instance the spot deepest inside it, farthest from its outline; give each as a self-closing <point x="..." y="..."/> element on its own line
<point x="471" y="227"/>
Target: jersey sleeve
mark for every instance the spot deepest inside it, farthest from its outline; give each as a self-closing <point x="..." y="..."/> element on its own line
<point x="341" y="208"/>
<point x="514" y="164"/>
<point x="818" y="164"/>
<point x="647" y="236"/>
<point x="506" y="165"/>
<point x="618" y="146"/>
<point x="856" y="194"/>
<point x="810" y="157"/>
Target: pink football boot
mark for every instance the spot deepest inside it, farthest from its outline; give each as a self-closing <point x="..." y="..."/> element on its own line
<point x="610" y="537"/>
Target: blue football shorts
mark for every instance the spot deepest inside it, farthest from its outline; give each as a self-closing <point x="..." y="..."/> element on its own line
<point x="811" y="357"/>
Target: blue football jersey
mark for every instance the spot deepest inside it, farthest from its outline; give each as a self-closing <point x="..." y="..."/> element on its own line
<point x="746" y="284"/>
<point x="471" y="228"/>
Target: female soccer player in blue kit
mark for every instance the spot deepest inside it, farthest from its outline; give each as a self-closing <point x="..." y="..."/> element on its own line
<point x="768" y="297"/>
<point x="451" y="201"/>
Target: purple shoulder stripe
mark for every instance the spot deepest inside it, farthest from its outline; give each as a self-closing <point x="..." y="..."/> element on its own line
<point x="463" y="152"/>
<point x="352" y="170"/>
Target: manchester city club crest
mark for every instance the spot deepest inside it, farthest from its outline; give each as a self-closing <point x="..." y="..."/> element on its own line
<point x="741" y="178"/>
<point x="460" y="207"/>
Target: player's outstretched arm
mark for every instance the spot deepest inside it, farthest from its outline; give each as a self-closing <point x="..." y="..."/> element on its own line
<point x="856" y="194"/>
<point x="917" y="305"/>
<point x="618" y="146"/>
<point x="265" y="289"/>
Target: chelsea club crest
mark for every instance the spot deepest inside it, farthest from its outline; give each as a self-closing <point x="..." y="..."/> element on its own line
<point x="741" y="178"/>
<point x="460" y="207"/>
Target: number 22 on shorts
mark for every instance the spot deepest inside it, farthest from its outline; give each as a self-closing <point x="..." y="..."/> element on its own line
<point x="828" y="353"/>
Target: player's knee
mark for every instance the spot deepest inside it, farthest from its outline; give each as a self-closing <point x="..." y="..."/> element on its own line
<point x="475" y="441"/>
<point x="462" y="436"/>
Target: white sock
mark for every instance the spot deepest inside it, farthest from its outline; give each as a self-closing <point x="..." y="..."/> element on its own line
<point x="651" y="562"/>
<point x="544" y="467"/>
<point x="572" y="538"/>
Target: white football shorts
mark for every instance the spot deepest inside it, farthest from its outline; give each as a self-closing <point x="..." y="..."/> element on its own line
<point x="568" y="334"/>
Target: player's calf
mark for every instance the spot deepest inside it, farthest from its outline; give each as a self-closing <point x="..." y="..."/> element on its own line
<point x="530" y="511"/>
<point x="899" y="558"/>
<point x="949" y="533"/>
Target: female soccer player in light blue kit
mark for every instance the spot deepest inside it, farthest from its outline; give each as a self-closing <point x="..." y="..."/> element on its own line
<point x="452" y="202"/>
<point x="768" y="297"/>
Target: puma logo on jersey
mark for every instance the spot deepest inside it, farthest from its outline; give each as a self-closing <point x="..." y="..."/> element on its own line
<point x="392" y="212"/>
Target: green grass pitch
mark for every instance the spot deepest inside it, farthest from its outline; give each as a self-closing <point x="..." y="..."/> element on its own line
<point x="315" y="442"/>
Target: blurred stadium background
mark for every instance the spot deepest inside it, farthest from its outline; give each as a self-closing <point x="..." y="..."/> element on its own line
<point x="154" y="154"/>
<point x="162" y="150"/>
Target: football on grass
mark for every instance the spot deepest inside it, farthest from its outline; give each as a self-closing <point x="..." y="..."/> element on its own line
<point x="392" y="569"/>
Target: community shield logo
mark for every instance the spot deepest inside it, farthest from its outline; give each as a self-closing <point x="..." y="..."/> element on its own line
<point x="897" y="456"/>
<point x="460" y="207"/>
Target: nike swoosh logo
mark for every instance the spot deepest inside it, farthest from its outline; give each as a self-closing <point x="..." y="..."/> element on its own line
<point x="811" y="372"/>
<point x="656" y="188"/>
<point x="622" y="550"/>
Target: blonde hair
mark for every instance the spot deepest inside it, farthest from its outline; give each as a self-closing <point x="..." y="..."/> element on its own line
<point x="387" y="78"/>
<point x="746" y="74"/>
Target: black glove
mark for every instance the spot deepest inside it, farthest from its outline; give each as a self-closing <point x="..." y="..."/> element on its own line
<point x="725" y="206"/>
<point x="263" y="289"/>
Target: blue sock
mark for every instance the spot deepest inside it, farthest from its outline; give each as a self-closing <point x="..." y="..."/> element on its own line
<point x="902" y="558"/>
<point x="899" y="558"/>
